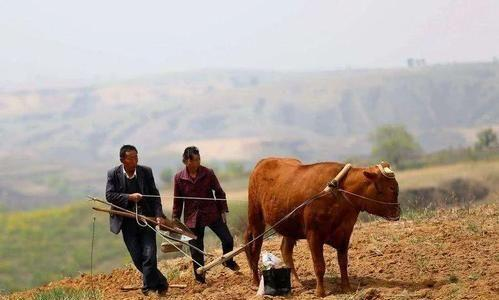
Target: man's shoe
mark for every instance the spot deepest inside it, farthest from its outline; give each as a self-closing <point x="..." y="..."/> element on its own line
<point x="231" y="265"/>
<point x="162" y="291"/>
<point x="145" y="292"/>
<point x="200" y="279"/>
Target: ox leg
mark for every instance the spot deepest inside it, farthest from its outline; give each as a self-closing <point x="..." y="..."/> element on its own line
<point x="287" y="246"/>
<point x="317" y="250"/>
<point x="343" y="263"/>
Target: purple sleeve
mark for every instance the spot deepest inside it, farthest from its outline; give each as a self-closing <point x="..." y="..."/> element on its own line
<point x="178" y="203"/>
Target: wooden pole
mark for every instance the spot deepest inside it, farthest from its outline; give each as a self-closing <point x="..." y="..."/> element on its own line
<point x="134" y="287"/>
<point x="220" y="260"/>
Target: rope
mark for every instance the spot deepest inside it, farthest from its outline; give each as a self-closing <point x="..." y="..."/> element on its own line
<point x="366" y="198"/>
<point x="284" y="218"/>
<point x="188" y="198"/>
<point x="171" y="243"/>
<point x="137" y="217"/>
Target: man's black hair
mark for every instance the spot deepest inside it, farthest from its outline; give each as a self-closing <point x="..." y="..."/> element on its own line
<point x="189" y="152"/>
<point x="125" y="148"/>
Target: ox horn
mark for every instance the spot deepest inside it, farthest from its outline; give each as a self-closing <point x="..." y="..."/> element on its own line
<point x="386" y="171"/>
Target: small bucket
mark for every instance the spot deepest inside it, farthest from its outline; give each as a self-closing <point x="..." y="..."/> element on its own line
<point x="277" y="281"/>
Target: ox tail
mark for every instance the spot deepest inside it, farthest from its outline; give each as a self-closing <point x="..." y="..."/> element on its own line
<point x="250" y="255"/>
<point x="256" y="226"/>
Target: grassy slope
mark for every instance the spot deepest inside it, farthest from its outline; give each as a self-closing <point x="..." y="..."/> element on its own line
<point x="486" y="171"/>
<point x="44" y="245"/>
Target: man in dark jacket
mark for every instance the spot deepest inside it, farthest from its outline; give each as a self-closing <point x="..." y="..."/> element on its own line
<point x="126" y="184"/>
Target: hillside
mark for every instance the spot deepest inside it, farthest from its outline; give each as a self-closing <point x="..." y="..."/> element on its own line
<point x="452" y="255"/>
<point x="58" y="143"/>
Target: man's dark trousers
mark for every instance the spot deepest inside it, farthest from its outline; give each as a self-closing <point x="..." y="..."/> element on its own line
<point x="141" y="243"/>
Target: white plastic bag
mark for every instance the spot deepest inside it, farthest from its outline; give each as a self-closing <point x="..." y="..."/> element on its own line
<point x="261" y="287"/>
<point x="269" y="260"/>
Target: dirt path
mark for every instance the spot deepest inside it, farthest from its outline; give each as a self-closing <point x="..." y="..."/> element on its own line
<point x="454" y="255"/>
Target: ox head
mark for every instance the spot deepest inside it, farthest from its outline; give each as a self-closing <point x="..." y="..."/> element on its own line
<point x="383" y="189"/>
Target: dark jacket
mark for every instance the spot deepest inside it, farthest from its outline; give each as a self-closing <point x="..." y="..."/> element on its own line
<point x="198" y="212"/>
<point x="115" y="193"/>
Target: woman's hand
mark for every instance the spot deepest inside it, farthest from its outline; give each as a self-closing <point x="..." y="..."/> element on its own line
<point x="224" y="218"/>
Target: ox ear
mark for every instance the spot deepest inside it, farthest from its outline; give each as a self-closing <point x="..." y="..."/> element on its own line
<point x="370" y="175"/>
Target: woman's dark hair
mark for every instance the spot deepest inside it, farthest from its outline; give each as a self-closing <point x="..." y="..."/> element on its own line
<point x="125" y="148"/>
<point x="189" y="152"/>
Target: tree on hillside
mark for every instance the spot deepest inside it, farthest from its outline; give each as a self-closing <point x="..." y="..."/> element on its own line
<point x="233" y="169"/>
<point x="394" y="144"/>
<point x="486" y="139"/>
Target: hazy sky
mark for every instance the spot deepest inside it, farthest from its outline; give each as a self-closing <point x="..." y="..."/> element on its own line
<point x="55" y="41"/>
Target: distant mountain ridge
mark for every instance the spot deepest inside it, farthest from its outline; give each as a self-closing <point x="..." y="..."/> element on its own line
<point x="73" y="135"/>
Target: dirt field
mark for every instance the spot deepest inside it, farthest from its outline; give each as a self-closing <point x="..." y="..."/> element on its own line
<point x="453" y="255"/>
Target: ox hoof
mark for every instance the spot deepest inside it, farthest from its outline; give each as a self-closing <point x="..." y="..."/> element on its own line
<point x="346" y="288"/>
<point x="297" y="285"/>
<point x="320" y="293"/>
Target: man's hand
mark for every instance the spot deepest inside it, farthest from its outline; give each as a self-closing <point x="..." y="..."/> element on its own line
<point x="135" y="197"/>
<point x="161" y="221"/>
<point x="224" y="218"/>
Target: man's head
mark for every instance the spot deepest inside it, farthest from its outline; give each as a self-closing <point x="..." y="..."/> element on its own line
<point x="129" y="157"/>
<point x="191" y="158"/>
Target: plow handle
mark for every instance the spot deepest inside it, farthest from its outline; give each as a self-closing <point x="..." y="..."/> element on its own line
<point x="220" y="260"/>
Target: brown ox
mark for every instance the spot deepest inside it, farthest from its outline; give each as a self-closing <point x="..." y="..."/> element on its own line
<point x="278" y="185"/>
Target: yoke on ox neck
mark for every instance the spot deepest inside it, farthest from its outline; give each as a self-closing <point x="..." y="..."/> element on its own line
<point x="336" y="181"/>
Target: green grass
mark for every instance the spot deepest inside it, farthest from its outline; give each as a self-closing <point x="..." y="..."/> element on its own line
<point x="417" y="214"/>
<point x="67" y="294"/>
